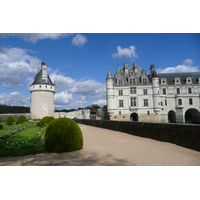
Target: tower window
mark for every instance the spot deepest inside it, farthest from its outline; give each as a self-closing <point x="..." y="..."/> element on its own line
<point x="190" y="102"/>
<point x="180" y="102"/>
<point x="189" y="90"/>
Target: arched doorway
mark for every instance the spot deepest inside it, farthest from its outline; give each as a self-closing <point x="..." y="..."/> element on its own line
<point x="134" y="117"/>
<point x="192" y="116"/>
<point x="171" y="116"/>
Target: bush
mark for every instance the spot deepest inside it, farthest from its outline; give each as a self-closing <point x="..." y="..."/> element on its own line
<point x="21" y="119"/>
<point x="45" y="121"/>
<point x="10" y="120"/>
<point x="63" y="135"/>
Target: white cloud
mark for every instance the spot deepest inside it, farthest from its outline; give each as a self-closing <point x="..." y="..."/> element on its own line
<point x="14" y="99"/>
<point x="126" y="52"/>
<point x="77" y="93"/>
<point x="15" y="65"/>
<point x="101" y="102"/>
<point x="79" y="40"/>
<point x="185" y="67"/>
<point x="62" y="98"/>
<point x="34" y="37"/>
<point x="62" y="82"/>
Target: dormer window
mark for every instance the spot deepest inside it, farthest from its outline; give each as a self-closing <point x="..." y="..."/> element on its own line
<point x="132" y="81"/>
<point x="163" y="81"/>
<point x="189" y="80"/>
<point x="177" y="80"/>
<point x="120" y="81"/>
<point x="144" y="81"/>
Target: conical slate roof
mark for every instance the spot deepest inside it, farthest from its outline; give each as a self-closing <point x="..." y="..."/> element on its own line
<point x="39" y="80"/>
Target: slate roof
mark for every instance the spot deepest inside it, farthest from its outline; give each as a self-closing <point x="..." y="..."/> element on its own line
<point x="171" y="77"/>
<point x="38" y="79"/>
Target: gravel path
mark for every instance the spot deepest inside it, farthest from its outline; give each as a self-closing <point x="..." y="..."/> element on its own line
<point x="103" y="147"/>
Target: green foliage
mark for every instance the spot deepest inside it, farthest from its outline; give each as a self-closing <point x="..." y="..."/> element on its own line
<point x="21" y="119"/>
<point x="1" y="126"/>
<point x="45" y="121"/>
<point x="10" y="120"/>
<point x="63" y="135"/>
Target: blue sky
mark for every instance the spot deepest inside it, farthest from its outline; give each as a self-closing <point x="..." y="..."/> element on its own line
<point x="79" y="62"/>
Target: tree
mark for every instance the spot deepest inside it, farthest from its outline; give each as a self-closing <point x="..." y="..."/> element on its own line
<point x="10" y="120"/>
<point x="21" y="119"/>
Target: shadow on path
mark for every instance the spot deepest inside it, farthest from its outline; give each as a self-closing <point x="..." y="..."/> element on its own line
<point x="77" y="158"/>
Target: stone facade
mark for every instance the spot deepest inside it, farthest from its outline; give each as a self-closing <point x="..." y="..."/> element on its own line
<point x="134" y="95"/>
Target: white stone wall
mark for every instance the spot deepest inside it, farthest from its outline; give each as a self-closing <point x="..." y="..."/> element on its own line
<point x="42" y="104"/>
<point x="80" y="114"/>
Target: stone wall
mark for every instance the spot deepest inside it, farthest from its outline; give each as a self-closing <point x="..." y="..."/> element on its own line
<point x="181" y="134"/>
<point x="80" y="114"/>
<point x="15" y="115"/>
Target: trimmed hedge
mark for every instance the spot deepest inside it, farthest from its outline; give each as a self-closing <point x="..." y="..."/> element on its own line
<point x="21" y="119"/>
<point x="45" y="121"/>
<point x="10" y="120"/>
<point x="63" y="135"/>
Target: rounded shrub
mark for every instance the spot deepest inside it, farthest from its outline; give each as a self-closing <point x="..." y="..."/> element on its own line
<point x="63" y="135"/>
<point x="21" y="119"/>
<point x="45" y="121"/>
<point x="10" y="120"/>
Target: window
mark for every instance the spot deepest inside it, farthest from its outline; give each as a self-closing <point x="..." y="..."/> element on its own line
<point x="132" y="81"/>
<point x="120" y="92"/>
<point x="190" y="102"/>
<point x="144" y="81"/>
<point x="119" y="81"/>
<point x="180" y="102"/>
<point x="133" y="90"/>
<point x="164" y="91"/>
<point x="145" y="102"/>
<point x="177" y="90"/>
<point x="166" y="102"/>
<point x="145" y="91"/>
<point x="189" y="90"/>
<point x="133" y="101"/>
<point x="121" y="103"/>
<point x="148" y="113"/>
<point x="120" y="112"/>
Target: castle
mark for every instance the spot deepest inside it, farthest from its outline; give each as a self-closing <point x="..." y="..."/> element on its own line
<point x="134" y="95"/>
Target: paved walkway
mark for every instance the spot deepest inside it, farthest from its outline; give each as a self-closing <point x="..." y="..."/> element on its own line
<point x="103" y="147"/>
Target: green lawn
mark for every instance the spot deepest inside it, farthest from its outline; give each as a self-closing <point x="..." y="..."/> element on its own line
<point x="28" y="141"/>
<point x="6" y="131"/>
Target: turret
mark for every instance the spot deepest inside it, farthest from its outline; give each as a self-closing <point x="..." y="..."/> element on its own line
<point x="42" y="94"/>
<point x="156" y="95"/>
<point x="109" y="92"/>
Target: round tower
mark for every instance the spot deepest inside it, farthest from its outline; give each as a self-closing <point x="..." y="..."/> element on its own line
<point x="156" y="95"/>
<point x="42" y="94"/>
<point x="109" y="93"/>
